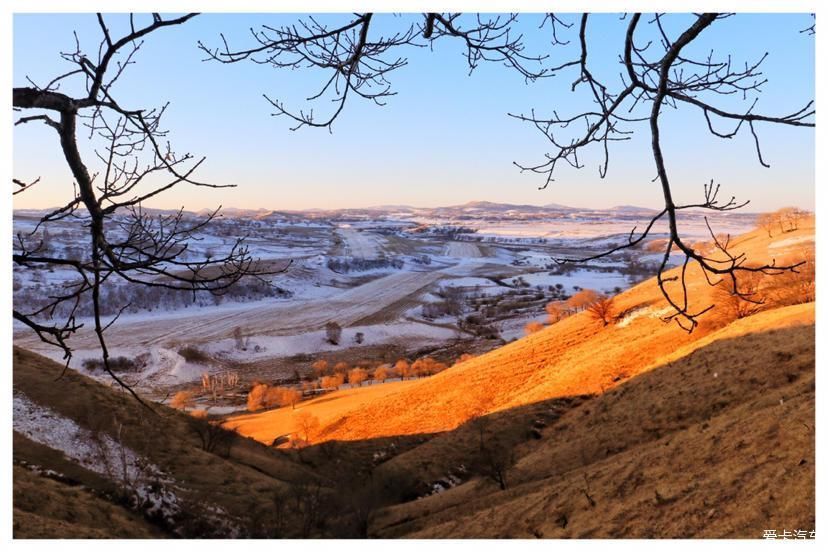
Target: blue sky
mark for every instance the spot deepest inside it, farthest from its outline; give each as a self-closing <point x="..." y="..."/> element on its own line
<point x="445" y="138"/>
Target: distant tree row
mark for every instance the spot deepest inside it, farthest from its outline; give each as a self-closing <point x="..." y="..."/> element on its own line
<point x="355" y="264"/>
<point x="115" y="297"/>
<point x="329" y="377"/>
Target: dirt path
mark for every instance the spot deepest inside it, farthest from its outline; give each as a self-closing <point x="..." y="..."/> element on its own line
<point x="462" y="250"/>
<point x="360" y="244"/>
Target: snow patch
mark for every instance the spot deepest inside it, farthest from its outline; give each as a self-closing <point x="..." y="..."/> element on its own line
<point x="649" y="312"/>
<point x="97" y="452"/>
<point x="791" y="241"/>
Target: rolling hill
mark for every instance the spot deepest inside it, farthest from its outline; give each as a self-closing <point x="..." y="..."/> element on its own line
<point x="636" y="429"/>
<point x="575" y="356"/>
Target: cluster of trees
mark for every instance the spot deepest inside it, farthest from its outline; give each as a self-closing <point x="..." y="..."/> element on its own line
<point x="355" y="264"/>
<point x="326" y="376"/>
<point x="124" y="296"/>
<point x="120" y="364"/>
<point x="786" y="219"/>
<point x="334" y="375"/>
<point x="755" y="291"/>
<point x="599" y="306"/>
<point x="264" y="396"/>
<point x="216" y="384"/>
<point x="450" y="303"/>
<point x="448" y="231"/>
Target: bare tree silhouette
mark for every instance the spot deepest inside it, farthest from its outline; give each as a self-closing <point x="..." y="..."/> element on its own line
<point x="136" y="164"/>
<point x="359" y="59"/>
<point x="655" y="75"/>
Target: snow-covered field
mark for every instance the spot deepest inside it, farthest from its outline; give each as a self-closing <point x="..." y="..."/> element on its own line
<point x="506" y="253"/>
<point x="360" y="243"/>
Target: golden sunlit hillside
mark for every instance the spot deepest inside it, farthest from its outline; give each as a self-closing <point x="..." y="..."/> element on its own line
<point x="576" y="356"/>
<point x="719" y="443"/>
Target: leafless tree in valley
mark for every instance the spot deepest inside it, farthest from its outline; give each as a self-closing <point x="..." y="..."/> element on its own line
<point x="657" y="73"/>
<point x="133" y="162"/>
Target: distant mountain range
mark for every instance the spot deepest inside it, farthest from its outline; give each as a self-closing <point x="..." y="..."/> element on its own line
<point x="470" y="210"/>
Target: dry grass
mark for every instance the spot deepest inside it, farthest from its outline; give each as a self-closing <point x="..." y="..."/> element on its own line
<point x="719" y="443"/>
<point x="44" y="508"/>
<point x="573" y="357"/>
<point x="242" y="484"/>
<point x="329" y="410"/>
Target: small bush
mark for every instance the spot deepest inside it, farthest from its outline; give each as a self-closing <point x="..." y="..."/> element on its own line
<point x="182" y="400"/>
<point x="533" y="327"/>
<point x="333" y="332"/>
<point x="193" y="354"/>
<point x="119" y="364"/>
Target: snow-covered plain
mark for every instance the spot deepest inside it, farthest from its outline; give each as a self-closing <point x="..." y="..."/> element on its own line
<point x="499" y="251"/>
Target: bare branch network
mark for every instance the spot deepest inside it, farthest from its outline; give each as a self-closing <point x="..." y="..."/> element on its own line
<point x="358" y="59"/>
<point x="137" y="163"/>
<point x="654" y="74"/>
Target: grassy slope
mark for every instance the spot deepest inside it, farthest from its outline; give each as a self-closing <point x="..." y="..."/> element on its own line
<point x="676" y="452"/>
<point x="575" y="356"/>
<point x="329" y="409"/>
<point x="243" y="484"/>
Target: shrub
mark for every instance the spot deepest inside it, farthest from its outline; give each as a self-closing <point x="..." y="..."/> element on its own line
<point x="533" y="327"/>
<point x="182" y="400"/>
<point x="256" y="398"/>
<point x="742" y="302"/>
<point x="193" y="354"/>
<point x="793" y="288"/>
<point x="333" y="333"/>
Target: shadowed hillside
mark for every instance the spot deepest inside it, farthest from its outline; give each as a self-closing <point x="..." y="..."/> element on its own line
<point x="717" y="444"/>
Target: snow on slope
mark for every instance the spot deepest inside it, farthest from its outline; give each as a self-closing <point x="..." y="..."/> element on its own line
<point x="97" y="452"/>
